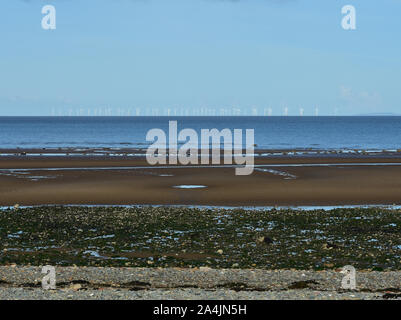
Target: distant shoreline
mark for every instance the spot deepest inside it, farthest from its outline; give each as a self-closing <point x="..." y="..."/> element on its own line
<point x="140" y="152"/>
<point x="208" y="116"/>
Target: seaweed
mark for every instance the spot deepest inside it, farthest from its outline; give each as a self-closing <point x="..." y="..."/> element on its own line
<point x="367" y="238"/>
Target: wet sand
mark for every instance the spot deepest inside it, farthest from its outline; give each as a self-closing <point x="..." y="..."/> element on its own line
<point x="124" y="180"/>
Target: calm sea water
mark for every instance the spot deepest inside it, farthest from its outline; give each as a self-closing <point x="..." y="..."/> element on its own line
<point x="371" y="133"/>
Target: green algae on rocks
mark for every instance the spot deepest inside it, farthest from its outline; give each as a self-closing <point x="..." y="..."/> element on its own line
<point x="367" y="238"/>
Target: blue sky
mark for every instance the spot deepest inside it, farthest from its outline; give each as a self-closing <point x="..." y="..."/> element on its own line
<point x="200" y="57"/>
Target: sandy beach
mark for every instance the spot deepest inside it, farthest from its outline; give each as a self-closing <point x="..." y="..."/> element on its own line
<point x="195" y="284"/>
<point x="305" y="180"/>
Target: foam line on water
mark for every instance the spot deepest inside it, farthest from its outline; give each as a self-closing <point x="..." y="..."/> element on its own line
<point x="277" y="165"/>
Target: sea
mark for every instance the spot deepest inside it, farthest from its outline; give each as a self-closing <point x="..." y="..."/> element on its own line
<point x="276" y="133"/>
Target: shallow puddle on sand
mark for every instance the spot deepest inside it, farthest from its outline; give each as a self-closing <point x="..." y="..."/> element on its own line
<point x="189" y="186"/>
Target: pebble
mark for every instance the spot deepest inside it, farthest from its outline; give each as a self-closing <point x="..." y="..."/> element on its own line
<point x="168" y="283"/>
